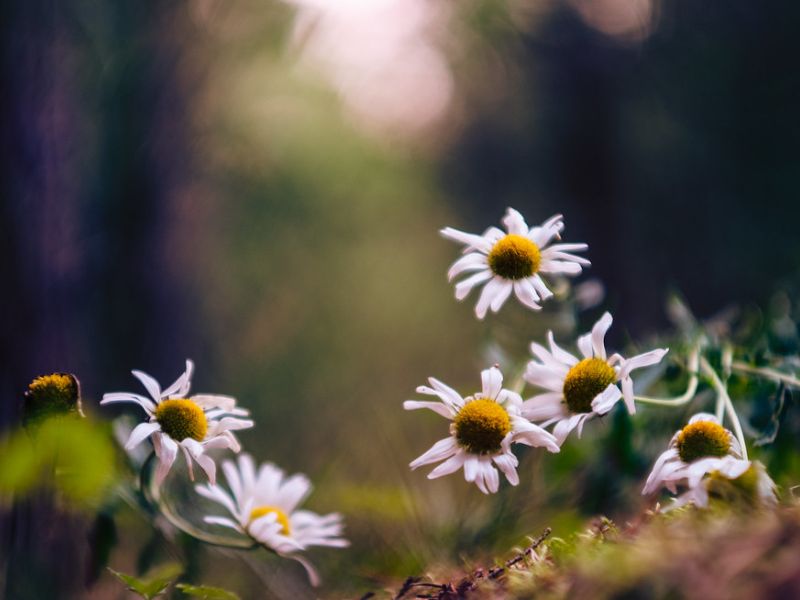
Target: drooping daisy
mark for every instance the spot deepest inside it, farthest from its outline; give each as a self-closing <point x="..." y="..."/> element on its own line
<point x="579" y="390"/>
<point x="735" y="481"/>
<point x="264" y="504"/>
<point x="193" y="424"/>
<point x="702" y="447"/>
<point x="513" y="261"/>
<point x="481" y="433"/>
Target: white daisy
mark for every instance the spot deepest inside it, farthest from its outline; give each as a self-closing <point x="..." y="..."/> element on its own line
<point x="482" y="430"/>
<point x="702" y="447"/>
<point x="581" y="389"/>
<point x="513" y="261"/>
<point x="734" y="480"/>
<point x="194" y="424"/>
<point x="264" y="504"/>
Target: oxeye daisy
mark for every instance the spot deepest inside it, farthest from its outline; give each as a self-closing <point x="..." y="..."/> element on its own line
<point x="193" y="424"/>
<point x="482" y="429"/>
<point x="513" y="261"/>
<point x="264" y="506"/>
<point x="702" y="447"/>
<point x="579" y="389"/>
<point x="734" y="481"/>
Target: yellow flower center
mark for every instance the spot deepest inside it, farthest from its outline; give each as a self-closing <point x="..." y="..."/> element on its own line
<point x="702" y="439"/>
<point x="515" y="257"/>
<point x="50" y="395"/>
<point x="481" y="426"/>
<point x="282" y="518"/>
<point x="585" y="381"/>
<point x="181" y="418"/>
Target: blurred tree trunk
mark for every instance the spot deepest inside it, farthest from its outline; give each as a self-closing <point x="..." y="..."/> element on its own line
<point x="93" y="156"/>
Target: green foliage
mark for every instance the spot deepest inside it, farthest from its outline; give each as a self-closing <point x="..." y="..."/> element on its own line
<point x="206" y="592"/>
<point x="72" y="455"/>
<point x="154" y="583"/>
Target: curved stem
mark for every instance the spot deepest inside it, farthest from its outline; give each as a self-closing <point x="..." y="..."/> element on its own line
<point x="722" y="393"/>
<point x="691" y="387"/>
<point x="152" y="493"/>
<point x="766" y="372"/>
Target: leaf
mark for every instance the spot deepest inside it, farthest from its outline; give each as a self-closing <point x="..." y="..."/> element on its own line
<point x="206" y="592"/>
<point x="154" y="583"/>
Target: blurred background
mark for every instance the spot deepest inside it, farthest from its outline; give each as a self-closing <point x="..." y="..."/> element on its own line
<point x="258" y="186"/>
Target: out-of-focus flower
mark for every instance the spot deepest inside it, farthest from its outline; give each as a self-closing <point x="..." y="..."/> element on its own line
<point x="513" y="261"/>
<point x="482" y="430"/>
<point x="264" y="505"/>
<point x="581" y="389"/>
<point x="734" y="481"/>
<point x="193" y="424"/>
<point x="56" y="394"/>
<point x="700" y="448"/>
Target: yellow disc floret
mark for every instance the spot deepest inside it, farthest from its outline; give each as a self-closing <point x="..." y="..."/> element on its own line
<point x="515" y="257"/>
<point x="481" y="426"/>
<point x="181" y="418"/>
<point x="56" y="394"/>
<point x="282" y="518"/>
<point x="585" y="381"/>
<point x="702" y="439"/>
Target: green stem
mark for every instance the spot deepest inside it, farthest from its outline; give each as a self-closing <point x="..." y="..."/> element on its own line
<point x="691" y="388"/>
<point x="152" y="492"/>
<point x="722" y="393"/>
<point x="766" y="372"/>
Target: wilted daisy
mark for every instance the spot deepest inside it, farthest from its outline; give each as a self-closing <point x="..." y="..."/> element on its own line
<point x="579" y="389"/>
<point x="513" y="261"/>
<point x="193" y="424"/>
<point x="734" y="481"/>
<point x="482" y="430"/>
<point x="703" y="446"/>
<point x="264" y="504"/>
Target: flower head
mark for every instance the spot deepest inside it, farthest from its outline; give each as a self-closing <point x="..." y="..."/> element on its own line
<point x="743" y="483"/>
<point x="175" y="420"/>
<point x="482" y="429"/>
<point x="513" y="261"/>
<point x="579" y="389"/>
<point x="703" y="446"/>
<point x="264" y="506"/>
<point x="56" y="394"/>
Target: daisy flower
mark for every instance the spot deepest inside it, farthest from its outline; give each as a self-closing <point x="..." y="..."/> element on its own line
<point x="733" y="480"/>
<point x="264" y="506"/>
<point x="580" y="389"/>
<point x="193" y="424"/>
<point x="702" y="447"/>
<point x="513" y="261"/>
<point x="482" y="429"/>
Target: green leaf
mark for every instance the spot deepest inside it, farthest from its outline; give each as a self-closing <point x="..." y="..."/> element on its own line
<point x="154" y="583"/>
<point x="206" y="592"/>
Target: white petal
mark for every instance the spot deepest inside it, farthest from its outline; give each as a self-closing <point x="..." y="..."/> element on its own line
<point x="224" y="522"/>
<point x="208" y="465"/>
<point x="114" y="397"/>
<point x="642" y="360"/>
<point x="551" y="228"/>
<point x="538" y="285"/>
<point x="606" y="399"/>
<point x="441" y="450"/>
<point x="471" y="262"/>
<point x="514" y="222"/>
<point x="560" y="267"/>
<point x="627" y="394"/>
<point x="507" y="463"/>
<point x="463" y="288"/>
<point x="166" y="450"/>
<point x="560" y="353"/>
<point x="525" y="293"/>
<point x="544" y="406"/>
<point x="140" y="433"/>
<point x="599" y="333"/>
<point x="180" y="387"/>
<point x="490" y="290"/>
<point x="585" y="345"/>
<point x="476" y="241"/>
<point x="150" y="384"/>
<point x="491" y="382"/>
<point x="447" y="393"/>
<point x="501" y="296"/>
<point x="525" y="432"/>
<point x="437" y="407"/>
<point x="451" y="465"/>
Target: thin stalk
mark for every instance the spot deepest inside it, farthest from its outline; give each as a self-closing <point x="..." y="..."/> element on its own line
<point x="766" y="372"/>
<point x="722" y="392"/>
<point x="691" y="387"/>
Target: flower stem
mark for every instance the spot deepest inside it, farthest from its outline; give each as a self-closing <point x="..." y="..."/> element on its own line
<point x="766" y="372"/>
<point x="722" y="393"/>
<point x="691" y="388"/>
